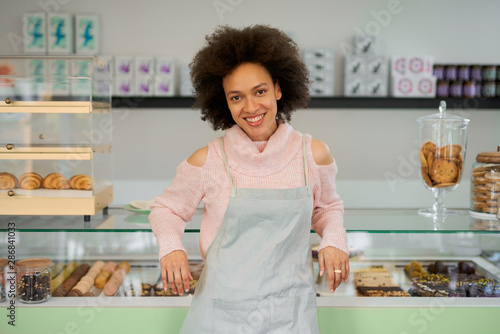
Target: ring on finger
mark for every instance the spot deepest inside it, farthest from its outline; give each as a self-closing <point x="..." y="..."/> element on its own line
<point x="337" y="271"/>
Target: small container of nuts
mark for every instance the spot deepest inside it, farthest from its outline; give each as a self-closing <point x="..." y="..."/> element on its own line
<point x="3" y="282"/>
<point x="34" y="280"/>
<point x="485" y="184"/>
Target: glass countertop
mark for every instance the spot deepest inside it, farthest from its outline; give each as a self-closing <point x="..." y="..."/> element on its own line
<point x="355" y="220"/>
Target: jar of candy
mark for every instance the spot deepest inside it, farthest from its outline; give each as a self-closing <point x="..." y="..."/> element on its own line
<point x="478" y="88"/>
<point x="443" y="88"/>
<point x="463" y="72"/>
<point x="488" y="88"/>
<point x="456" y="88"/>
<point x="488" y="73"/>
<point x="485" y="184"/>
<point x="469" y="89"/>
<point x="450" y="72"/>
<point x="475" y="73"/>
<point x="438" y="71"/>
<point x="34" y="280"/>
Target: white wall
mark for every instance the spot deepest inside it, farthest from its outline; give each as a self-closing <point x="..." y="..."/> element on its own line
<point x="368" y="144"/>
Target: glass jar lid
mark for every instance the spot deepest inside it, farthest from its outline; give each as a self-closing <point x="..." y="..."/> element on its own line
<point x="35" y="263"/>
<point x="443" y="117"/>
<point x="3" y="263"/>
<point x="489" y="157"/>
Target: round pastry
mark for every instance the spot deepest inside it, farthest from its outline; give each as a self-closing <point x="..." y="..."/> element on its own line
<point x="30" y="180"/>
<point x="125" y="266"/>
<point x="428" y="147"/>
<point x="110" y="266"/>
<point x="7" y="181"/>
<point x="443" y="171"/>
<point x="55" y="181"/>
<point x="465" y="268"/>
<point x="81" y="182"/>
<point x="114" y="283"/>
<point x="102" y="279"/>
<point x="87" y="279"/>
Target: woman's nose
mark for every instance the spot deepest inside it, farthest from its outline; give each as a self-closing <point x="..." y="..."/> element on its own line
<point x="251" y="105"/>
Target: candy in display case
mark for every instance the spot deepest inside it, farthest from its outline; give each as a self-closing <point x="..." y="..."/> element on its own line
<point x="55" y="138"/>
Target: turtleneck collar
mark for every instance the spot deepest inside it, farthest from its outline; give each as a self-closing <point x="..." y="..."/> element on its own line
<point x="244" y="156"/>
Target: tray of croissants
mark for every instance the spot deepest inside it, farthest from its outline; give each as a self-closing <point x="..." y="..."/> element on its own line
<point x="32" y="181"/>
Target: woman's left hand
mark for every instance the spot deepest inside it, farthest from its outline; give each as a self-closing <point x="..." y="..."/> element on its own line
<point x="333" y="259"/>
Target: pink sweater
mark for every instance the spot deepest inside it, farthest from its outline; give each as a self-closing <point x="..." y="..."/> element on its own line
<point x="277" y="163"/>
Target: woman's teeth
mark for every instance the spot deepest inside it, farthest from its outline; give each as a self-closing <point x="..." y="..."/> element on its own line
<point x="255" y="119"/>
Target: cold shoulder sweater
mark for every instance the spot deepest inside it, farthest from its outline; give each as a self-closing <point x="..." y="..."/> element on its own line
<point x="276" y="163"/>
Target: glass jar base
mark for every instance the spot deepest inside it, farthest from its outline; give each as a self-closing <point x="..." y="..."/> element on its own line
<point x="433" y="214"/>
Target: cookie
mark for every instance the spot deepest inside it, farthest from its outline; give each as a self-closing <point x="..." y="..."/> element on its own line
<point x="459" y="172"/>
<point x="492" y="177"/>
<point x="430" y="159"/>
<point x="428" y="148"/>
<point x="443" y="171"/>
<point x="423" y="162"/>
<point x="426" y="177"/>
<point x="479" y="174"/>
<point x="490" y="209"/>
<point x="444" y="185"/>
<point x="480" y="197"/>
<point x="491" y="186"/>
<point x="478" y="206"/>
<point x="480" y="180"/>
<point x="492" y="203"/>
<point x="450" y="150"/>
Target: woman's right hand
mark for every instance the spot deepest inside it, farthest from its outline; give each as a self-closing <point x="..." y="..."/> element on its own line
<point x="175" y="269"/>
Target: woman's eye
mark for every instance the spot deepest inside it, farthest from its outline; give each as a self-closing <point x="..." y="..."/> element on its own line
<point x="235" y="98"/>
<point x="261" y="91"/>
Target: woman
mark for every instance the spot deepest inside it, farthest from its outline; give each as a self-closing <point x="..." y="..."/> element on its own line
<point x="264" y="186"/>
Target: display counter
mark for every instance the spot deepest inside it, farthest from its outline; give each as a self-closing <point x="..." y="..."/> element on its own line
<point x="381" y="241"/>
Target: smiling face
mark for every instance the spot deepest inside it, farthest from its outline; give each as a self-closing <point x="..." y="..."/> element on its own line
<point x="251" y="97"/>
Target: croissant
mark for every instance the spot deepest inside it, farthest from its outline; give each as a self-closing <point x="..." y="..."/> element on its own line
<point x="81" y="182"/>
<point x="30" y="181"/>
<point x="55" y="181"/>
<point x="7" y="181"/>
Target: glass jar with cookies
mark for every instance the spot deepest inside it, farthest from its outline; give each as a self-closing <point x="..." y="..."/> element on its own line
<point x="442" y="140"/>
<point x="485" y="184"/>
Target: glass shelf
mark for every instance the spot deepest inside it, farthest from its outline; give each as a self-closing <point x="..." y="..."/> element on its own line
<point x="355" y="220"/>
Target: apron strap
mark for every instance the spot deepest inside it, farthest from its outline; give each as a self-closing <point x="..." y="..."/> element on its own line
<point x="304" y="152"/>
<point x="233" y="188"/>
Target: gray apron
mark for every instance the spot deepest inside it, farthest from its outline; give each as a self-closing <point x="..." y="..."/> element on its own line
<point x="257" y="276"/>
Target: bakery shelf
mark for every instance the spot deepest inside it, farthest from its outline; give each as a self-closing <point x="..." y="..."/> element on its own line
<point x="37" y="202"/>
<point x="325" y="102"/>
<point x="380" y="221"/>
<point x="34" y="152"/>
<point x="54" y="107"/>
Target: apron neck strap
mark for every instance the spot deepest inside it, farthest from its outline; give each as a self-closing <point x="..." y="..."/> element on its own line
<point x="233" y="188"/>
<point x="304" y="153"/>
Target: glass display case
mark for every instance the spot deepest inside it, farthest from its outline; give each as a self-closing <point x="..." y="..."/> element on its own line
<point x="458" y="260"/>
<point x="55" y="137"/>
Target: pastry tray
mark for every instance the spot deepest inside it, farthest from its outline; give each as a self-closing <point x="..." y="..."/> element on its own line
<point x="396" y="269"/>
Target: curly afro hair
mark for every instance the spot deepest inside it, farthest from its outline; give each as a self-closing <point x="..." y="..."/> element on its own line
<point x="226" y="49"/>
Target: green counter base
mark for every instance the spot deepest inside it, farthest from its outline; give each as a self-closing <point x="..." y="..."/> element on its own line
<point x="88" y="320"/>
